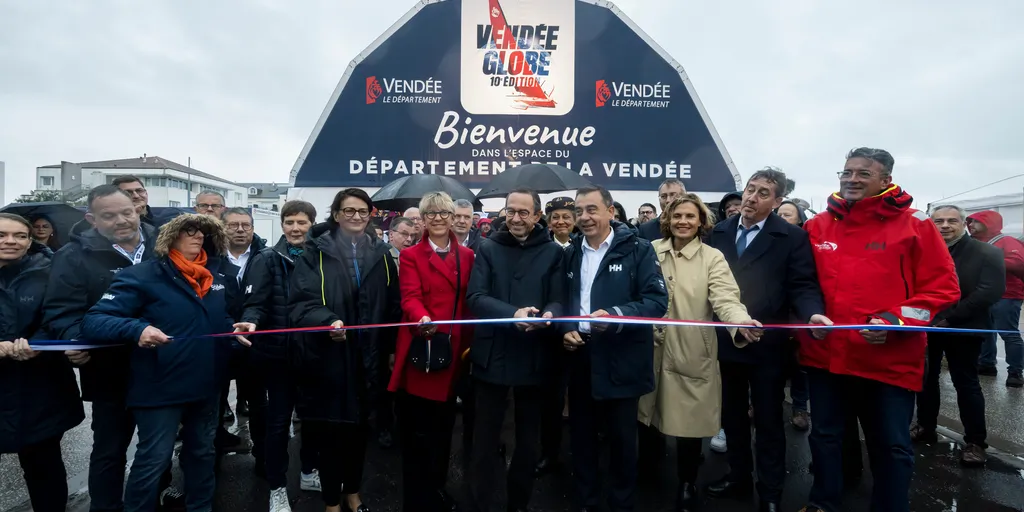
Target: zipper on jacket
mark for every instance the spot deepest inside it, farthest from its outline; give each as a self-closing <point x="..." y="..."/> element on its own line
<point x="903" y="275"/>
<point x="428" y="354"/>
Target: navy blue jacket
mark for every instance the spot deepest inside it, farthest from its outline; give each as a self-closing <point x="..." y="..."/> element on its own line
<point x="628" y="283"/>
<point x="39" y="397"/>
<point x="154" y="293"/>
<point x="266" y="289"/>
<point x="777" y="278"/>
<point x="82" y="272"/>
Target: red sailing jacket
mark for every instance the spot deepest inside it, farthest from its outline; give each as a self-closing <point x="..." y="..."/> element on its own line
<point x="1013" y="251"/>
<point x="879" y="258"/>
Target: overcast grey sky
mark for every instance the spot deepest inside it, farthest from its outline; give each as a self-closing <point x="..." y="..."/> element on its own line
<point x="238" y="86"/>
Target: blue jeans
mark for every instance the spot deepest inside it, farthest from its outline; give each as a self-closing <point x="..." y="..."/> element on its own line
<point x="158" y="428"/>
<point x="1005" y="317"/>
<point x="885" y="412"/>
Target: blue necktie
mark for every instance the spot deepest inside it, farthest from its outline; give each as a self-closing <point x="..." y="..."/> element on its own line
<point x="741" y="242"/>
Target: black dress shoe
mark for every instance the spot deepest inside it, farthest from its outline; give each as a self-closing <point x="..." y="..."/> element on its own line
<point x="686" y="500"/>
<point x="726" y="488"/>
<point x="767" y="506"/>
<point x="545" y="466"/>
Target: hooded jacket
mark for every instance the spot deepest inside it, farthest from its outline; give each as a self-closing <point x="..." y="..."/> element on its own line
<point x="154" y="293"/>
<point x="509" y="275"/>
<point x="720" y="212"/>
<point x="38" y="397"/>
<point x="1013" y="251"/>
<point x="265" y="292"/>
<point x="879" y="258"/>
<point x="82" y="272"/>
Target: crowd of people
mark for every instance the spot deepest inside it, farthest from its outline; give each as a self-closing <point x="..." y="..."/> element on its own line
<point x="159" y="295"/>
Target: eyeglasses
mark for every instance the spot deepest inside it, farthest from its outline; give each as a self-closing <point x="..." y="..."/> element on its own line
<point x="135" y="191"/>
<point x="191" y="230"/>
<point x="206" y="206"/>
<point x="434" y="215"/>
<point x="235" y="226"/>
<point x="522" y="214"/>
<point x="351" y="212"/>
<point x="864" y="175"/>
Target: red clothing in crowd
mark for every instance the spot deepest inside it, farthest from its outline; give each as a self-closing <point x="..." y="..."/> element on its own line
<point x="1013" y="251"/>
<point x="879" y="258"/>
<point x="428" y="289"/>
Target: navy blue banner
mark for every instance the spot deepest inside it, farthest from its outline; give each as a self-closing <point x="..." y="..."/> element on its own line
<point x="470" y="88"/>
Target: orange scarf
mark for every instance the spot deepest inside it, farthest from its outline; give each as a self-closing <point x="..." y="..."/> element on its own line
<point x="194" y="271"/>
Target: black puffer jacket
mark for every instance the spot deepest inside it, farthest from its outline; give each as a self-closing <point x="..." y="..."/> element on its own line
<point x="339" y="381"/>
<point x="82" y="272"/>
<point x="39" y="397"/>
<point x="508" y="275"/>
<point x="266" y="289"/>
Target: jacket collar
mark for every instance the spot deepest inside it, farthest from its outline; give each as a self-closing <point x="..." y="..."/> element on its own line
<point x="774" y="227"/>
<point x="891" y="202"/>
<point x="663" y="248"/>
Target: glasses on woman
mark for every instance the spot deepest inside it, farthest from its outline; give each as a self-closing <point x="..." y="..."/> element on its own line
<point x="434" y="215"/>
<point x="191" y="230"/>
<point x="351" y="212"/>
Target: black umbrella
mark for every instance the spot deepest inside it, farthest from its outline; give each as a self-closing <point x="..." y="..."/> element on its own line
<point x="406" y="192"/>
<point x="542" y="178"/>
<point x="61" y="215"/>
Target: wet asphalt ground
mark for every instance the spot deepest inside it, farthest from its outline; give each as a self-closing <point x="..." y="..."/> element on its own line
<point x="940" y="484"/>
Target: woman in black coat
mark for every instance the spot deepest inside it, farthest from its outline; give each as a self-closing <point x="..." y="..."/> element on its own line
<point x="39" y="398"/>
<point x="344" y="277"/>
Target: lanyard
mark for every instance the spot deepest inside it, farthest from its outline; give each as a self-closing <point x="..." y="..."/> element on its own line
<point x="134" y="258"/>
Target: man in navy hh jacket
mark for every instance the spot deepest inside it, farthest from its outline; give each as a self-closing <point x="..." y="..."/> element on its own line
<point x="774" y="268"/>
<point x="611" y="271"/>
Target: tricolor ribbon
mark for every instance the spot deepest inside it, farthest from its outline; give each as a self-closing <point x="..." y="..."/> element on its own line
<point x="61" y="345"/>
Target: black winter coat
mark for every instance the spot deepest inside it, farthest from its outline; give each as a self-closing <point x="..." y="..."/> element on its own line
<point x="82" y="272"/>
<point x="338" y="380"/>
<point x="39" y="397"/>
<point x="509" y="275"/>
<point x="628" y="282"/>
<point x="981" y="270"/>
<point x="266" y="289"/>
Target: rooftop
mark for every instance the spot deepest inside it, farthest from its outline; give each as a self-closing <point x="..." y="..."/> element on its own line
<point x="144" y="162"/>
<point x="267" y="190"/>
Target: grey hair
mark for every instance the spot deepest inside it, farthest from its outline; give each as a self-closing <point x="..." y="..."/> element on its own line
<point x="960" y="211"/>
<point x="463" y="203"/>
<point x="672" y="181"/>
<point x="237" y="211"/>
<point x="399" y="221"/>
<point x="212" y="193"/>
<point x="881" y="156"/>
<point x="772" y="175"/>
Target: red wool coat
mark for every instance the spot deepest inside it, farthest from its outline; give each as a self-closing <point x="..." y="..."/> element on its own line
<point x="427" y="283"/>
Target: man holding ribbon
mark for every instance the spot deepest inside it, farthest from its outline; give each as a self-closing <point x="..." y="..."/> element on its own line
<point x="611" y="271"/>
<point x="883" y="263"/>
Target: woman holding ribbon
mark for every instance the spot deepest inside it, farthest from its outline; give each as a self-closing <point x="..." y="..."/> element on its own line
<point x="344" y="276"/>
<point x="169" y="307"/>
<point x="687" y="400"/>
<point x="435" y="273"/>
<point x="38" y="394"/>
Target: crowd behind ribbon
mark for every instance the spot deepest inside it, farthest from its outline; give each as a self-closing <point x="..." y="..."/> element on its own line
<point x="154" y="290"/>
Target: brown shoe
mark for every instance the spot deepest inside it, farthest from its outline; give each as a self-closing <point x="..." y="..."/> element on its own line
<point x="919" y="435"/>
<point x="801" y="421"/>
<point x="973" y="455"/>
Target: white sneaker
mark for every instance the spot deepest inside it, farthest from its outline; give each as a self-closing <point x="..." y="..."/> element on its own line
<point x="718" y="442"/>
<point x="310" y="482"/>
<point x="279" y="500"/>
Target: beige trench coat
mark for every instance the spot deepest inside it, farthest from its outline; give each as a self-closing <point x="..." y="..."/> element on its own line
<point x="687" y="399"/>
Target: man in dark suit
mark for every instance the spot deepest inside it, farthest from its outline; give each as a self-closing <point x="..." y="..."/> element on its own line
<point x="774" y="267"/>
<point x="668" y="191"/>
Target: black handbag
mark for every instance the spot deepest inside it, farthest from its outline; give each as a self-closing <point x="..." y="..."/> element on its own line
<point x="434" y="353"/>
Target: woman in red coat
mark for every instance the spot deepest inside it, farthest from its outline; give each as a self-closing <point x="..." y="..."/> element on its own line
<point x="433" y="277"/>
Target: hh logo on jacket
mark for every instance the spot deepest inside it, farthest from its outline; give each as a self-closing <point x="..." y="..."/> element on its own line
<point x="615" y="268"/>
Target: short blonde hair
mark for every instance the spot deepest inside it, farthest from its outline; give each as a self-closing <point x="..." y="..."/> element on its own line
<point x="437" y="202"/>
<point x="706" y="218"/>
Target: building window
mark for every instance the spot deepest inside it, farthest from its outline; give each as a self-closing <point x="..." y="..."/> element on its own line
<point x="46" y="181"/>
<point x="174" y="204"/>
<point x="238" y="198"/>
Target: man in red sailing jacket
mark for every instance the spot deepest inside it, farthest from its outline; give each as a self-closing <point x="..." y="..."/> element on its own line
<point x="987" y="227"/>
<point x="879" y="262"/>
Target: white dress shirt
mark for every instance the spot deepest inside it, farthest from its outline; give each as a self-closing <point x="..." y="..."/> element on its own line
<point x="241" y="261"/>
<point x="136" y="257"/>
<point x="439" y="249"/>
<point x="588" y="272"/>
<point x="750" y="234"/>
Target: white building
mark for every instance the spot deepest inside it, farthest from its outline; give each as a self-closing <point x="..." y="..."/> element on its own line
<point x="267" y="196"/>
<point x="3" y="182"/>
<point x="168" y="183"/>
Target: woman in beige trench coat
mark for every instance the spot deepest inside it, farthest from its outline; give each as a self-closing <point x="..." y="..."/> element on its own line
<point x="687" y="399"/>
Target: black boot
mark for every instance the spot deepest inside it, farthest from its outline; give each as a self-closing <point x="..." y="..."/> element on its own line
<point x="686" y="500"/>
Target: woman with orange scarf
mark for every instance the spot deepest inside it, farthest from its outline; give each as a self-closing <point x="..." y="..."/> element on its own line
<point x="167" y="307"/>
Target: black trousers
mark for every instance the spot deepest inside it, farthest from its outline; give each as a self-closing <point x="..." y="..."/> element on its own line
<point x="961" y="356"/>
<point x="252" y="388"/>
<point x="688" y="451"/>
<point x="342" y="449"/>
<point x="45" y="475"/>
<point x="491" y="403"/>
<point x="551" y="414"/>
<point x="617" y="418"/>
<point x="426" y="433"/>
<point x="765" y="385"/>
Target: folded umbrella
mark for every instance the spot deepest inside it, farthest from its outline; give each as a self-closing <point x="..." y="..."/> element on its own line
<point x="542" y="178"/>
<point x="406" y="192"/>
